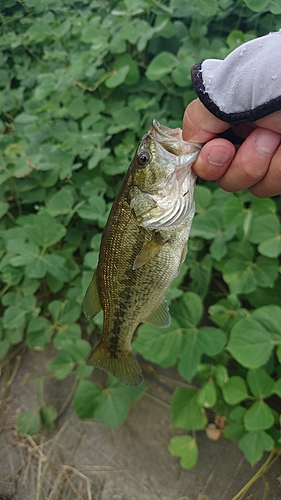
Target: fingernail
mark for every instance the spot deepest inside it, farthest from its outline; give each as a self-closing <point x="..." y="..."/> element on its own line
<point x="219" y="156"/>
<point x="267" y="141"/>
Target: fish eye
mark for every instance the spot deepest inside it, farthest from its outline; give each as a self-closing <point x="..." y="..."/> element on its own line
<point x="143" y="158"/>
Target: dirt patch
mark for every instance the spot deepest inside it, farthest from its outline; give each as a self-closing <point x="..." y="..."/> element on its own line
<point x="85" y="460"/>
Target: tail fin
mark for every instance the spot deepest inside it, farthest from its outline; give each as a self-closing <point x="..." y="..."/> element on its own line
<point x="124" y="367"/>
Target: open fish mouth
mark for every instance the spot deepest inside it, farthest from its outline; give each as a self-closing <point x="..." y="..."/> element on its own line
<point x="166" y="131"/>
<point x="171" y="139"/>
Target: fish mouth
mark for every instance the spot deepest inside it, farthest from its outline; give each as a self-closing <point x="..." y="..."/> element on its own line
<point x="171" y="139"/>
<point x="166" y="132"/>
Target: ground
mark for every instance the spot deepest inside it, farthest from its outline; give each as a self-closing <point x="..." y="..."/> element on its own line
<point x="85" y="460"/>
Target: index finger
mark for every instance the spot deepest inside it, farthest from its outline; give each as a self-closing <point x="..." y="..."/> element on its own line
<point x="199" y="125"/>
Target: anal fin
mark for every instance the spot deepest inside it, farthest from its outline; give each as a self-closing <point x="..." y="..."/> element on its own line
<point x="160" y="316"/>
<point x="91" y="302"/>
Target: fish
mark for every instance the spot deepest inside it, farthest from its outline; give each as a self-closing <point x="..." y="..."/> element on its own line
<point x="143" y="246"/>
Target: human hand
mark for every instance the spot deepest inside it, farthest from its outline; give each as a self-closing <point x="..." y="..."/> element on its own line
<point x="255" y="164"/>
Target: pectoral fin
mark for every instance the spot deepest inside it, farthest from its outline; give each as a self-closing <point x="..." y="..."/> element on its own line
<point x="160" y="316"/>
<point x="147" y="253"/>
<point x="91" y="302"/>
<point x="183" y="255"/>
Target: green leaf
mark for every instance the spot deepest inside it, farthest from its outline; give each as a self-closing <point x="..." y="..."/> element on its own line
<point x="25" y="118"/>
<point x="161" y="65"/>
<point x="11" y="275"/>
<point x="125" y="118"/>
<point x="277" y="387"/>
<point x="77" y="108"/>
<point x="275" y="7"/>
<point x="94" y="210"/>
<point x="133" y="74"/>
<point x="160" y="346"/>
<point x="78" y="349"/>
<point x="233" y="212"/>
<point x="207" y="225"/>
<point x="270" y="319"/>
<point x="264" y="227"/>
<point x="91" y="259"/>
<point x="45" y="231"/>
<point x="28" y="252"/>
<point x="241" y="250"/>
<point x="14" y="317"/>
<point x="258" y="417"/>
<point x="4" y="207"/>
<point x="218" y="248"/>
<point x="248" y="335"/>
<point x="83" y="371"/>
<point x="110" y="406"/>
<point x="114" y="403"/>
<point x="202" y="197"/>
<point x="186" y="448"/>
<point x="39" y="333"/>
<point x="118" y="77"/>
<point x="207" y="396"/>
<point x="86" y="399"/>
<point x="205" y="340"/>
<point x="260" y="383"/>
<point x="67" y="333"/>
<point x="227" y="312"/>
<point x="271" y="247"/>
<point x="253" y="444"/>
<point x="187" y="413"/>
<point x="62" y="364"/>
<point x="65" y="311"/>
<point x="235" y="426"/>
<point x="234" y="390"/>
<point x="244" y="276"/>
<point x="256" y="5"/>
<point x="95" y="36"/>
<point x="61" y="202"/>
<point x="188" y="311"/>
<point x="48" y="415"/>
<point x="28" y="422"/>
<point x="207" y="7"/>
<point x="201" y="275"/>
<point x="278" y="353"/>
<point x="221" y="375"/>
<point x="4" y="347"/>
<point x="181" y="75"/>
<point x="97" y="156"/>
<point x="53" y="264"/>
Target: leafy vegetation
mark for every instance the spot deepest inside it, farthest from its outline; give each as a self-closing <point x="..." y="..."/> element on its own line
<point x="80" y="83"/>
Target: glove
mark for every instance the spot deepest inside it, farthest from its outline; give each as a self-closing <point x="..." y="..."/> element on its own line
<point x="246" y="85"/>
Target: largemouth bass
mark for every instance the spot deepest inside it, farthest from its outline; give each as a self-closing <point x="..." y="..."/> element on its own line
<point x="143" y="246"/>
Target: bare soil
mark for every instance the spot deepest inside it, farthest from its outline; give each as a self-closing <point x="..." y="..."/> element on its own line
<point x="85" y="460"/>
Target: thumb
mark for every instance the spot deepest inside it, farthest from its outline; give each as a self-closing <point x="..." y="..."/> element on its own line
<point x="199" y="125"/>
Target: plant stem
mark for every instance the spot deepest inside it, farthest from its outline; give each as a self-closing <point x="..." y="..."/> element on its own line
<point x="264" y="468"/>
<point x="158" y="401"/>
<point x="68" y="400"/>
<point x="5" y="289"/>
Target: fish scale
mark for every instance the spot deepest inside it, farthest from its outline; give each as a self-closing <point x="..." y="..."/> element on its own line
<point x="140" y="255"/>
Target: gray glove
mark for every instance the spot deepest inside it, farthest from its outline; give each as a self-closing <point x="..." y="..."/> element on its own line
<point x="246" y="85"/>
